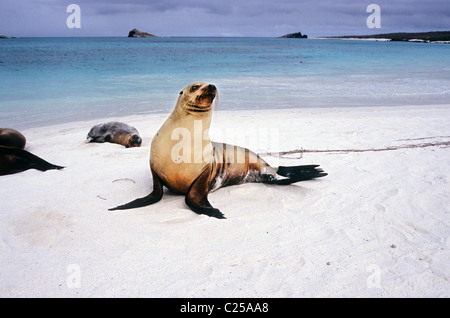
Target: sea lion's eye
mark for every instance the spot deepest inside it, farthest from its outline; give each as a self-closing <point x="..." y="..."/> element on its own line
<point x="194" y="88"/>
<point x="181" y="93"/>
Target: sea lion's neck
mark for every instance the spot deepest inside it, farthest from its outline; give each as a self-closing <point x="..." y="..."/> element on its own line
<point x="188" y="118"/>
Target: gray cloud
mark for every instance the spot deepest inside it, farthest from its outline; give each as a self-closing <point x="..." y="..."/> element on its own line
<point x="220" y="17"/>
<point x="120" y="6"/>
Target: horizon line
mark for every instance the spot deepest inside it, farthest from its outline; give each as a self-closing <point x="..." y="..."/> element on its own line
<point x="213" y="36"/>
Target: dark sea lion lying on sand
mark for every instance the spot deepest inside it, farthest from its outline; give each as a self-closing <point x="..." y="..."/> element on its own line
<point x="115" y="132"/>
<point x="13" y="157"/>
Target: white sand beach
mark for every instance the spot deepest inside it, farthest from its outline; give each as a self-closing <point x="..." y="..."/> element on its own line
<point x="376" y="226"/>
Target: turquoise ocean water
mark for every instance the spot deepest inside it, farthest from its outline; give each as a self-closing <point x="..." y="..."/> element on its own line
<point x="56" y="80"/>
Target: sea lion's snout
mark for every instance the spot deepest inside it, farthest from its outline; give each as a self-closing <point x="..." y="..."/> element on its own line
<point x="209" y="91"/>
<point x="211" y="88"/>
<point x="207" y="94"/>
<point x="134" y="141"/>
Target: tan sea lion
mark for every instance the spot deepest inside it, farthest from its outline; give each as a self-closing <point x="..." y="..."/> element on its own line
<point x="115" y="132"/>
<point x="195" y="165"/>
<point x="13" y="157"/>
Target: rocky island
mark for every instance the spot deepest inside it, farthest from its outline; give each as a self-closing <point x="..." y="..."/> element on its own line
<point x="436" y="36"/>
<point x="297" y="35"/>
<point x="135" y="33"/>
<point x="6" y="37"/>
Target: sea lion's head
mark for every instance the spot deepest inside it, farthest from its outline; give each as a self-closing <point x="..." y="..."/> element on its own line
<point x="197" y="98"/>
<point x="12" y="138"/>
<point x="134" y="141"/>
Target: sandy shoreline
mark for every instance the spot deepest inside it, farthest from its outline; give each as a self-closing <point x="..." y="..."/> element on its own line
<point x="376" y="226"/>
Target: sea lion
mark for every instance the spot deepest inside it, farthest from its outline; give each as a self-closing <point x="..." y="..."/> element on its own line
<point x="115" y="132"/>
<point x="205" y="166"/>
<point x="12" y="138"/>
<point x="13" y="157"/>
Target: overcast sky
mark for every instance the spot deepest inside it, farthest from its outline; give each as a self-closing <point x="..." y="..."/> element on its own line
<point x="23" y="18"/>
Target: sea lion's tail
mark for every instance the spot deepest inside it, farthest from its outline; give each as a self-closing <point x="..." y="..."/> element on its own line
<point x="288" y="175"/>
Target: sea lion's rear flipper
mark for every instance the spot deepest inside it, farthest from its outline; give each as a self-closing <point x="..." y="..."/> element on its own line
<point x="38" y="163"/>
<point x="22" y="160"/>
<point x="153" y="197"/>
<point x="288" y="175"/>
<point x="197" y="196"/>
<point x="301" y="173"/>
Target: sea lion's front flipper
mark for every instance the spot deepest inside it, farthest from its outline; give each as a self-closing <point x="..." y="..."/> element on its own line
<point x="153" y="197"/>
<point x="197" y="196"/>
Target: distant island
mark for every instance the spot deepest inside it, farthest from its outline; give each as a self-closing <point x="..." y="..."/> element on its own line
<point x="135" y="33"/>
<point x="436" y="36"/>
<point x="6" y="37"/>
<point x="297" y="35"/>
